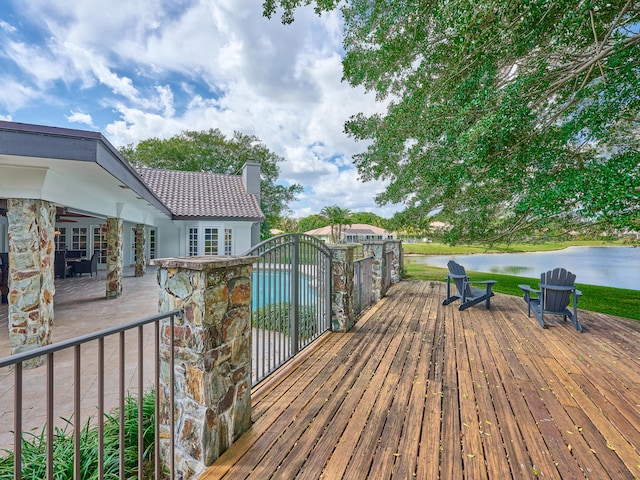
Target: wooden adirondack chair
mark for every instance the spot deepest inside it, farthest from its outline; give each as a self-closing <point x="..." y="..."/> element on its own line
<point x="469" y="295"/>
<point x="553" y="296"/>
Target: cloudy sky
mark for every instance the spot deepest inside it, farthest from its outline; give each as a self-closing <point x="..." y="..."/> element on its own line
<point x="153" y="68"/>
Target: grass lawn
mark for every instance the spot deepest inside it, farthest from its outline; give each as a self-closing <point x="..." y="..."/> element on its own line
<point x="442" y="249"/>
<point x="612" y="301"/>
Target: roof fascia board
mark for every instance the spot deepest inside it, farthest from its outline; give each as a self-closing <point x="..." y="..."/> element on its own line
<point x="78" y="145"/>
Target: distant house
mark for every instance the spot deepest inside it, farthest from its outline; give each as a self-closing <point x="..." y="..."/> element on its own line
<point x="88" y="181"/>
<point x="356" y="233"/>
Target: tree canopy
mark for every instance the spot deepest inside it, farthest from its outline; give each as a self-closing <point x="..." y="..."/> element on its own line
<point x="503" y="117"/>
<point x="211" y="151"/>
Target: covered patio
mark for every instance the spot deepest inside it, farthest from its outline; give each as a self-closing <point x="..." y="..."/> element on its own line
<point x="421" y="390"/>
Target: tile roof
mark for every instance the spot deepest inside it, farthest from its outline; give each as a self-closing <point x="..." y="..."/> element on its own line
<point x="202" y="194"/>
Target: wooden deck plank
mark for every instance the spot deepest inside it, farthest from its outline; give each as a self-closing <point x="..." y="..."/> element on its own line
<point x="409" y="447"/>
<point x="421" y="390"/>
<point x="494" y="357"/>
<point x="374" y="407"/>
<point x="311" y="443"/>
<point x="488" y="386"/>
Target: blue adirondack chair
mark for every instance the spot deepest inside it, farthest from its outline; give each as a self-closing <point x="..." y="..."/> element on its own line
<point x="469" y="295"/>
<point x="553" y="296"/>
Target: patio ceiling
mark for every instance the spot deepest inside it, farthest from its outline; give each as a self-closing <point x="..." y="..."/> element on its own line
<point x="76" y="169"/>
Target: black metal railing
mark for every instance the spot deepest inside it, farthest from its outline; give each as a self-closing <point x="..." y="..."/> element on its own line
<point x="363" y="283"/>
<point x="291" y="299"/>
<point x="48" y="355"/>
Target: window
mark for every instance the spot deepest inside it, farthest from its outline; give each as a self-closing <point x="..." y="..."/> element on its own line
<point x="100" y="242"/>
<point x="61" y="238"/>
<point x="79" y="238"/>
<point x="228" y="250"/>
<point x="193" y="242"/>
<point x="152" y="243"/>
<point x="210" y="241"/>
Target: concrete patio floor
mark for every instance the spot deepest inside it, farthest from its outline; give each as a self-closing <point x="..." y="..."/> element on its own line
<point x="81" y="307"/>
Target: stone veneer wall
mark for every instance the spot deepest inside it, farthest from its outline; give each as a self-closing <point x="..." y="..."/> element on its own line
<point x="212" y="357"/>
<point x="342" y="288"/>
<point x="31" y="262"/>
<point x="114" y="257"/>
<point x="376" y="249"/>
<point x="141" y="240"/>
<point x="397" y="260"/>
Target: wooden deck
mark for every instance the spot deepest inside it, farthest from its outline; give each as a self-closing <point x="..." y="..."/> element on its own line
<point x="418" y="390"/>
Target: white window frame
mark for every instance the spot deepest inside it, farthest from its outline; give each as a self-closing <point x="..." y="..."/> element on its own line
<point x="209" y="239"/>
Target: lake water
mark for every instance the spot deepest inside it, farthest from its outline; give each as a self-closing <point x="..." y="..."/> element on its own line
<point x="607" y="266"/>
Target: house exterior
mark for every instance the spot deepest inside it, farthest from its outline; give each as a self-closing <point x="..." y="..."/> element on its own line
<point x="184" y="213"/>
<point x="356" y="233"/>
<point x="71" y="190"/>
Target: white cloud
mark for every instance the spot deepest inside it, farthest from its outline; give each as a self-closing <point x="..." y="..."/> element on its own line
<point x="163" y="66"/>
<point x="7" y="27"/>
<point x="79" y="117"/>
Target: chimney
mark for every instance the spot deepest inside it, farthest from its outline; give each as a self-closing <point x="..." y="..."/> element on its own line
<point x="251" y="178"/>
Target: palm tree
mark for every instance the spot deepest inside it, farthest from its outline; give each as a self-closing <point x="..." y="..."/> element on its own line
<point x="338" y="219"/>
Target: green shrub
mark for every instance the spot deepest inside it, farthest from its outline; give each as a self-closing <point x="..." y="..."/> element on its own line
<point x="276" y="317"/>
<point x="34" y="446"/>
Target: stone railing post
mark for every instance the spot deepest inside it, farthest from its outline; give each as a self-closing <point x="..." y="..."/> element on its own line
<point x="212" y="358"/>
<point x="114" y="257"/>
<point x="395" y="246"/>
<point x="31" y="273"/>
<point x="140" y="243"/>
<point x="342" y="295"/>
<point x="376" y="249"/>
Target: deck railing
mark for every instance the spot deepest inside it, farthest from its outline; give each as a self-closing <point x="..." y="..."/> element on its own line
<point x="389" y="269"/>
<point x="291" y="299"/>
<point x="363" y="283"/>
<point x="16" y="363"/>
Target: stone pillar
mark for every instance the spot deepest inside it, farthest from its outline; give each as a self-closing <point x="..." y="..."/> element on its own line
<point x="376" y="249"/>
<point x="141" y="240"/>
<point x="114" y="257"/>
<point x="212" y="361"/>
<point x="395" y="246"/>
<point x="342" y="288"/>
<point x="31" y="273"/>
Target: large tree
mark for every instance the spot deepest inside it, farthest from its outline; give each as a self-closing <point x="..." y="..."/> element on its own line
<point x="503" y="117"/>
<point x="211" y="151"/>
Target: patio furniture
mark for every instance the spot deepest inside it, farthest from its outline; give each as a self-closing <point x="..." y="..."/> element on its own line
<point x="87" y="266"/>
<point x="76" y="253"/>
<point x="61" y="268"/>
<point x="553" y="296"/>
<point x="469" y="295"/>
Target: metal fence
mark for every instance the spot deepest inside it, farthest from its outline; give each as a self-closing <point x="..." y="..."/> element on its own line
<point x="291" y="299"/>
<point x="78" y="349"/>
<point x="389" y="268"/>
<point x="363" y="283"/>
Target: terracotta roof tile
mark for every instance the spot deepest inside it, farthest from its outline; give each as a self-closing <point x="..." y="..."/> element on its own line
<point x="202" y="194"/>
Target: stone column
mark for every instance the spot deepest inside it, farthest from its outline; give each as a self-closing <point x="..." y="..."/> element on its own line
<point x="342" y="288"/>
<point x="395" y="246"/>
<point x="114" y="257"/>
<point x="141" y="240"/>
<point x="212" y="361"/>
<point x="31" y="272"/>
<point x="376" y="249"/>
